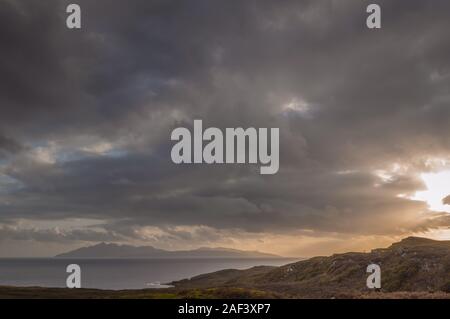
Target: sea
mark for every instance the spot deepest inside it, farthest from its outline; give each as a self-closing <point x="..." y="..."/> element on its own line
<point x="117" y="274"/>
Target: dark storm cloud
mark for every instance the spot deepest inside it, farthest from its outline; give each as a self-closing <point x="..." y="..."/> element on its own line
<point x="56" y="235"/>
<point x="8" y="145"/>
<point x="349" y="102"/>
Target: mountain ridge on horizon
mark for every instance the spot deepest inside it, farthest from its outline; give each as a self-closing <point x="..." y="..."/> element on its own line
<point x="113" y="250"/>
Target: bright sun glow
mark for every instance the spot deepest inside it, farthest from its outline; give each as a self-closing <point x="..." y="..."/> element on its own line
<point x="438" y="187"/>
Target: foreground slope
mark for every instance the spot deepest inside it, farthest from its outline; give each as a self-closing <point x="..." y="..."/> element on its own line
<point x="411" y="265"/>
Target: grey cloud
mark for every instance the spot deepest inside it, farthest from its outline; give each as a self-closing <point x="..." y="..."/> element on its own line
<point x="56" y="235"/>
<point x="134" y="72"/>
<point x="9" y="146"/>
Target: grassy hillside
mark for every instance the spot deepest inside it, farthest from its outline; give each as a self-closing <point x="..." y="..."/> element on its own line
<point x="412" y="265"/>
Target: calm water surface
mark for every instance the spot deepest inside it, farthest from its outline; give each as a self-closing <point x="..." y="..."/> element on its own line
<point x="117" y="273"/>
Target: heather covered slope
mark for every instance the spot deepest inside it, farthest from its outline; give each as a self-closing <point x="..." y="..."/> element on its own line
<point x="412" y="265"/>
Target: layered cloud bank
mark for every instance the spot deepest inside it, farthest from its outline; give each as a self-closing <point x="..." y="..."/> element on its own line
<point x="86" y="117"/>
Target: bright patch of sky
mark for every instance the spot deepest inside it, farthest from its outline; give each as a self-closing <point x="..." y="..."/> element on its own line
<point x="438" y="187"/>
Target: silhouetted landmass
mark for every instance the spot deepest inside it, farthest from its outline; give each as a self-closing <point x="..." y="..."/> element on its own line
<point x="104" y="250"/>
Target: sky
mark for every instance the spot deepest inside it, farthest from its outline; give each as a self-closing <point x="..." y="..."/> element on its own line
<point x="86" y="117"/>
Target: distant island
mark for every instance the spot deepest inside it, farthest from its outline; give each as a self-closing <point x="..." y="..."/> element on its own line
<point x="105" y="250"/>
